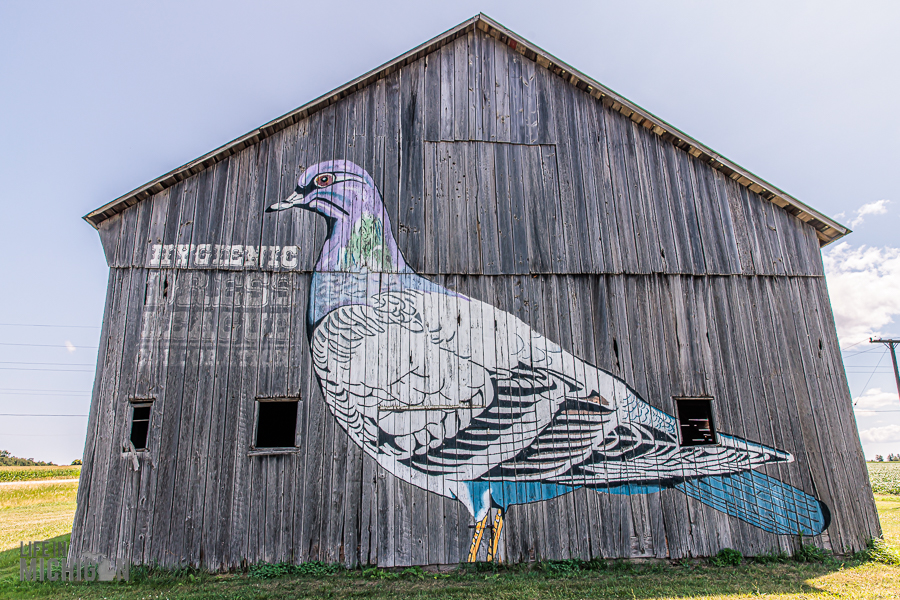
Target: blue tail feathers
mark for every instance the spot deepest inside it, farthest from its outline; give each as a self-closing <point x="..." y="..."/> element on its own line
<point x="751" y="496"/>
<point x="761" y="501"/>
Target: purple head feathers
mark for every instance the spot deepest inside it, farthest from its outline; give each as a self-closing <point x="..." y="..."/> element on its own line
<point x="359" y="233"/>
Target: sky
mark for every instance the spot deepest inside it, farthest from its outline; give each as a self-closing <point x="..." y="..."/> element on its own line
<point x="98" y="98"/>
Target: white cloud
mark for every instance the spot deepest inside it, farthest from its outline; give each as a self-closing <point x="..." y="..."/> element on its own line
<point x="880" y="435"/>
<point x="864" y="284"/>
<point x="879" y="207"/>
<point x="70" y="346"/>
<point x="874" y="399"/>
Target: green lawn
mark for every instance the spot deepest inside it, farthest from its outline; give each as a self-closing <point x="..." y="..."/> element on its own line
<point x="846" y="578"/>
<point x="35" y="511"/>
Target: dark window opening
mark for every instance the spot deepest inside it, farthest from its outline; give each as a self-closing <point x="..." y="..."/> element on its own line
<point x="276" y="423"/>
<point x="695" y="419"/>
<point x="140" y="425"/>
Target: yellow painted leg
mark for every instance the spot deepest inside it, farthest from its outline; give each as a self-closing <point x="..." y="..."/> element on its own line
<point x="476" y="539"/>
<point x="495" y="535"/>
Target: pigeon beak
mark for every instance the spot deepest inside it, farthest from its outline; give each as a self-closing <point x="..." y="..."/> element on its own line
<point x="291" y="201"/>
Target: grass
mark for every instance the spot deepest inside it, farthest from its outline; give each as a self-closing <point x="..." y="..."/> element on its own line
<point x="35" y="512"/>
<point x="774" y="577"/>
<point x="8" y="474"/>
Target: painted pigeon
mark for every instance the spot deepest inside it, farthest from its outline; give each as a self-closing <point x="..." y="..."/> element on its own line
<point x="465" y="400"/>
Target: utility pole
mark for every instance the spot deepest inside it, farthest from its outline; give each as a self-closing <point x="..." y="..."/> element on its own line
<point x="892" y="344"/>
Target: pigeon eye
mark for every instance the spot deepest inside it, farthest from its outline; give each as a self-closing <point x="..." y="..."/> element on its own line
<point x="324" y="180"/>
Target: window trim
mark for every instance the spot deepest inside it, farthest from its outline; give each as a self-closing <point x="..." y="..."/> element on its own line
<point x="712" y="420"/>
<point x="132" y="404"/>
<point x="276" y="450"/>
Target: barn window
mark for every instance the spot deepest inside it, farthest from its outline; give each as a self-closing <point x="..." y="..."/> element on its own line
<point x="276" y="423"/>
<point x="695" y="421"/>
<point x="140" y="423"/>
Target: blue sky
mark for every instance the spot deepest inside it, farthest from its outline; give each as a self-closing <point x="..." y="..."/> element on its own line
<point x="97" y="98"/>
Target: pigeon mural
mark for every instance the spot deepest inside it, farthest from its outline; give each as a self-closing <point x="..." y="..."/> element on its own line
<point x="467" y="401"/>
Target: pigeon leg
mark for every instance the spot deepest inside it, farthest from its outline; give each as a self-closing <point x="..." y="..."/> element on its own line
<point x="495" y="535"/>
<point x="476" y="539"/>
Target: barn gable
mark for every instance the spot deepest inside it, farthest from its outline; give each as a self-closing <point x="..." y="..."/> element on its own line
<point x="467" y="99"/>
<point x="509" y="178"/>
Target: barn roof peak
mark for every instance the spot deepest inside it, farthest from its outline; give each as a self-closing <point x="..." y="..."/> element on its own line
<point x="826" y="228"/>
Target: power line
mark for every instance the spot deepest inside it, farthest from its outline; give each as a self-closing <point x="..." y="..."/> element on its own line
<point x="72" y="395"/>
<point x="52" y="326"/>
<point x="861" y="352"/>
<point x="43" y="434"/>
<point x="53" y="370"/>
<point x="50" y="346"/>
<point x="24" y="415"/>
<point x="866" y="387"/>
<point x="4" y="362"/>
<point x="43" y="390"/>
<point x="851" y="345"/>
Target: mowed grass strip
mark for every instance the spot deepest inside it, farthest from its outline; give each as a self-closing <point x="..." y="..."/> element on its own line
<point x="12" y="474"/>
<point x="889" y="515"/>
<point x="29" y="505"/>
<point x="35" y="511"/>
<point x="617" y="580"/>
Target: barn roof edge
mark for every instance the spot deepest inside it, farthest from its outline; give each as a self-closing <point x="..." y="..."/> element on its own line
<point x="827" y="229"/>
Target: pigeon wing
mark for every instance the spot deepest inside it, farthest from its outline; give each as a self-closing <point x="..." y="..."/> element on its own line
<point x="438" y="385"/>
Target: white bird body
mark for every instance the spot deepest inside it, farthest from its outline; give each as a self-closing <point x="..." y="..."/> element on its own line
<point x="465" y="400"/>
<point x="424" y="368"/>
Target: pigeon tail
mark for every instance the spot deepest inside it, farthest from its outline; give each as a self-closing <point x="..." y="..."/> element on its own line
<point x="761" y="501"/>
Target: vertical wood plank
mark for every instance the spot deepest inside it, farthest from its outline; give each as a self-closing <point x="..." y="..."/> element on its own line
<point x="411" y="215"/>
<point x="460" y="88"/>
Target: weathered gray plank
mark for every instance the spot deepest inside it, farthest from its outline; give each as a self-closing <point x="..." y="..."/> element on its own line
<point x="488" y="227"/>
<point x="433" y="97"/>
<point x="620" y="201"/>
<point x="684" y="216"/>
<point x="599" y="191"/>
<point x="581" y="229"/>
<point x="447" y="58"/>
<point x="518" y="218"/>
<point x="486" y="97"/>
<point x="411" y="216"/>
<point x="475" y="130"/>
<point x="518" y="131"/>
<point x="460" y="75"/>
<point x="551" y="212"/>
<point x="499" y="87"/>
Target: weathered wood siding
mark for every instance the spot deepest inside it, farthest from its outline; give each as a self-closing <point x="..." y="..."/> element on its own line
<point x="508" y="184"/>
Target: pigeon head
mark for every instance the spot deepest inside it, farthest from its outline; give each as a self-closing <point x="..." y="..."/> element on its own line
<point x="336" y="189"/>
<point x="359" y="234"/>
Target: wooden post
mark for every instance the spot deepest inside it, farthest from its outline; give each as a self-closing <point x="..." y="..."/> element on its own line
<point x="892" y="344"/>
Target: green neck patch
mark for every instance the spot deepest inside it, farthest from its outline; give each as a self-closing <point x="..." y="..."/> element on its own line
<point x="365" y="248"/>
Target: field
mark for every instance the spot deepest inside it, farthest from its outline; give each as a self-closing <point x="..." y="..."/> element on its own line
<point x="35" y="511"/>
<point x="885" y="477"/>
<point x="9" y="474"/>
<point x="39" y="511"/>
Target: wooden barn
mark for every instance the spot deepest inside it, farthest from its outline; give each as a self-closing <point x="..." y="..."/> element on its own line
<point x="470" y="306"/>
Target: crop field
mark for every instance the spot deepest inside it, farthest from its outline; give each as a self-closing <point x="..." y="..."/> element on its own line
<point x="9" y="474"/>
<point x="42" y="511"/>
<point x="885" y="477"/>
